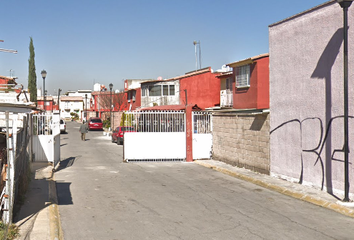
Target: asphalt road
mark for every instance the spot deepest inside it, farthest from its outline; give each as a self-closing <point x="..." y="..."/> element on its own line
<point x="100" y="197"/>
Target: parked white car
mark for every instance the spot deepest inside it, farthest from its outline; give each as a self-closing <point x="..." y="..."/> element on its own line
<point x="62" y="126"/>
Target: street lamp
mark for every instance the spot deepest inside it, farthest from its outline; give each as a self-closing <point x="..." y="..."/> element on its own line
<point x="44" y="75"/>
<point x="345" y="4"/>
<point x="86" y="107"/>
<point x="110" y="109"/>
<point x="59" y="90"/>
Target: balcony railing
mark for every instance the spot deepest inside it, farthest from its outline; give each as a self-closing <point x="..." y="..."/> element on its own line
<point x="226" y="99"/>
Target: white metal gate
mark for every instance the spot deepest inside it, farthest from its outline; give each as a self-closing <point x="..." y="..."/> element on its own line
<point x="46" y="137"/>
<point x="202" y="135"/>
<point x="161" y="136"/>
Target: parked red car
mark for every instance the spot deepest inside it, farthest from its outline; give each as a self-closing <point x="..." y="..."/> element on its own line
<point x="118" y="133"/>
<point x="95" y="123"/>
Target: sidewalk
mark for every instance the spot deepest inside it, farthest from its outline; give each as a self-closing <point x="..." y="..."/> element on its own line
<point x="295" y="190"/>
<point x="38" y="218"/>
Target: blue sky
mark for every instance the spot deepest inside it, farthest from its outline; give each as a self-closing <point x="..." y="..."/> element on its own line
<point x="80" y="43"/>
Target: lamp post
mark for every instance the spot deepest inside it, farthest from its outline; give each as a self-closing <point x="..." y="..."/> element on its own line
<point x="59" y="90"/>
<point x="345" y="4"/>
<point x="110" y="109"/>
<point x="85" y="107"/>
<point x="44" y="75"/>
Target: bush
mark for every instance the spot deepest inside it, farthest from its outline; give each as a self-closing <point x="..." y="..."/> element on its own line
<point x="74" y="116"/>
<point x="106" y="123"/>
<point x="8" y="232"/>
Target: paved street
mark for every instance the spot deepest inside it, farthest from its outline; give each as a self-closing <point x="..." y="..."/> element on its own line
<point x="100" y="197"/>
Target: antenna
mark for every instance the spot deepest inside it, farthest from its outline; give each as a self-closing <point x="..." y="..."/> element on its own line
<point x="195" y="43"/>
<point x="7" y="50"/>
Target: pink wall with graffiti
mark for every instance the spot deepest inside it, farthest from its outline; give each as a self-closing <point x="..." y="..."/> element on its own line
<point x="306" y="98"/>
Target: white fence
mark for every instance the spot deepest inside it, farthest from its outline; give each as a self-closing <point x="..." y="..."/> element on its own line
<point x="155" y="121"/>
<point x="161" y="136"/>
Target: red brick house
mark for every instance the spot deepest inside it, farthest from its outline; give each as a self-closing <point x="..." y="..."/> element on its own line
<point x="49" y="103"/>
<point x="8" y="83"/>
<point x="241" y="133"/>
<point x="7" y="80"/>
<point x="133" y="97"/>
<point x="251" y="82"/>
<point x="132" y="88"/>
<point x="201" y="87"/>
<point x="101" y="102"/>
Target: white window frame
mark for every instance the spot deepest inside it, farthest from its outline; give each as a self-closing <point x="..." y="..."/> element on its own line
<point x="242" y="78"/>
<point x="156" y="89"/>
<point x="169" y="91"/>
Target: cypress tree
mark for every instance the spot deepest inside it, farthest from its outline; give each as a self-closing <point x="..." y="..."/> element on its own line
<point x="32" y="77"/>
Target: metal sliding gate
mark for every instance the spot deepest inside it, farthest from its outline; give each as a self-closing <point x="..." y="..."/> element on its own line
<point x="161" y="135"/>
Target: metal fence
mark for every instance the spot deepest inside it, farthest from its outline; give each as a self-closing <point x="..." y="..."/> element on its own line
<point x="155" y="121"/>
<point x="202" y="122"/>
<point x="42" y="124"/>
<point x="22" y="162"/>
<point x="14" y="162"/>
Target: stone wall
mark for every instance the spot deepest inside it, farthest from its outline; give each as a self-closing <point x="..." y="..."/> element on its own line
<point x="242" y="140"/>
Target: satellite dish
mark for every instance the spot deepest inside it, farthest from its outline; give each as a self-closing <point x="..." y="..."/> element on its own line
<point x="159" y="78"/>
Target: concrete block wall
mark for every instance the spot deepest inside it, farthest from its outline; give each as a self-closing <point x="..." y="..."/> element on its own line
<point x="242" y="140"/>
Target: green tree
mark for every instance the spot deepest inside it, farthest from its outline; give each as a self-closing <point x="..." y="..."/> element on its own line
<point x="32" y="77"/>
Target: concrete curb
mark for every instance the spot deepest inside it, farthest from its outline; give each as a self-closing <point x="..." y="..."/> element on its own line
<point x="283" y="190"/>
<point x="55" y="229"/>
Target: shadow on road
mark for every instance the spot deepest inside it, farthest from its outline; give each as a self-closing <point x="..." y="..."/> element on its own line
<point x="64" y="198"/>
<point x="36" y="196"/>
<point x="66" y="163"/>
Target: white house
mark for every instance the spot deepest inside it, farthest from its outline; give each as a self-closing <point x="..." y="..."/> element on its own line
<point x="70" y="105"/>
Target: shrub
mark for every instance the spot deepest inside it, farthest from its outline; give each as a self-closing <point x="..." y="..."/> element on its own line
<point x="106" y="123"/>
<point x="8" y="232"/>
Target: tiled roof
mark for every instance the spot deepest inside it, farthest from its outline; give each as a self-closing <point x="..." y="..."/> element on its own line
<point x="188" y="74"/>
<point x="247" y="60"/>
<point x="225" y="74"/>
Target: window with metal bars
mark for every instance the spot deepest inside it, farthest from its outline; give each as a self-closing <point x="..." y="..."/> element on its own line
<point x="243" y="76"/>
